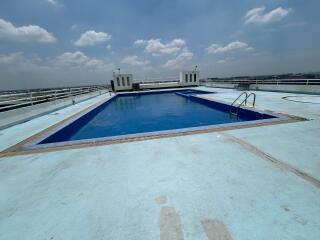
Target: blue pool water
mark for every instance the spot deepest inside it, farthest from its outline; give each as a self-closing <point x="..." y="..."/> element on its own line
<point x="149" y="112"/>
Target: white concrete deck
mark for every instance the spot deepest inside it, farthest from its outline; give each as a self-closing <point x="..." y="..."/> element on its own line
<point x="239" y="184"/>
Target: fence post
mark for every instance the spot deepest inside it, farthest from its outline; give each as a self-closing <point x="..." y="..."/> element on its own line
<point x="31" y="100"/>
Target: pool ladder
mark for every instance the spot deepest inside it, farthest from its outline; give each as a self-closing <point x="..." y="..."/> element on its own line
<point x="243" y="103"/>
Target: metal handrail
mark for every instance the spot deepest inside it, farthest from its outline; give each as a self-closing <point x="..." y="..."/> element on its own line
<point x="254" y="99"/>
<point x="239" y="97"/>
<point x="244" y="102"/>
<point x="232" y="105"/>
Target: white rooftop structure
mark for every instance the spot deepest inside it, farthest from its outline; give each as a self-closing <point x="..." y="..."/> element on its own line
<point x="189" y="78"/>
<point x="122" y="82"/>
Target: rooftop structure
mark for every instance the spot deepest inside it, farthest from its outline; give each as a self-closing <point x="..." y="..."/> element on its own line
<point x="122" y="82"/>
<point x="189" y="78"/>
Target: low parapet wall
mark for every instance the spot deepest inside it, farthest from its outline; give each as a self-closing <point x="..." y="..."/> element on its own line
<point x="309" y="89"/>
<point x="16" y="116"/>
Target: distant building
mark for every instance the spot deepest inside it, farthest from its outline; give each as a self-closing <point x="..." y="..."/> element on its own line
<point x="189" y="78"/>
<point x="122" y="82"/>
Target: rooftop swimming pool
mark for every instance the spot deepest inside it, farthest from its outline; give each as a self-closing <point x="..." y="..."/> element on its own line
<point x="138" y="114"/>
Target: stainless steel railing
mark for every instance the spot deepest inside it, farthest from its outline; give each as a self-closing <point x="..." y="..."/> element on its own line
<point x="243" y="103"/>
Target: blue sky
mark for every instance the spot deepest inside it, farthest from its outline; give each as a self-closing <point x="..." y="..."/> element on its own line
<point x="66" y="42"/>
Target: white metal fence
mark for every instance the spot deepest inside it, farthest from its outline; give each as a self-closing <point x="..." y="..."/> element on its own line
<point x="264" y="81"/>
<point x="17" y="99"/>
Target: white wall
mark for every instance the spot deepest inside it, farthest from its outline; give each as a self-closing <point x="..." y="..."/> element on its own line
<point x="160" y="85"/>
<point x="187" y="78"/>
<point x="122" y="82"/>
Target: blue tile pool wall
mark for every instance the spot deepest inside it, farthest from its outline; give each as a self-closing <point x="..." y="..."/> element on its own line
<point x="65" y="133"/>
<point x="204" y="109"/>
<point x="244" y="114"/>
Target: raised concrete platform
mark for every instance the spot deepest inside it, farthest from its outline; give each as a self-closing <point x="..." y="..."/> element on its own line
<point x="255" y="183"/>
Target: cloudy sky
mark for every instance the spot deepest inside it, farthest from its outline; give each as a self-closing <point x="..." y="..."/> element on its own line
<point x="46" y="43"/>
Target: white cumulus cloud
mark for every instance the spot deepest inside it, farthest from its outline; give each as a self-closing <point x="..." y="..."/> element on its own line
<point x="183" y="57"/>
<point x="237" y="45"/>
<point x="30" y="33"/>
<point x="79" y="59"/>
<point x="140" y="42"/>
<point x="157" y="48"/>
<point x="258" y="15"/>
<point x="91" y="38"/>
<point x="70" y="58"/>
<point x="134" y="61"/>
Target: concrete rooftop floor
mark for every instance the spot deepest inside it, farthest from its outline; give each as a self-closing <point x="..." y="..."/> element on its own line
<point x="254" y="183"/>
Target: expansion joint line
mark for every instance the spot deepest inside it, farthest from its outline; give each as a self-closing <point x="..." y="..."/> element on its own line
<point x="280" y="164"/>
